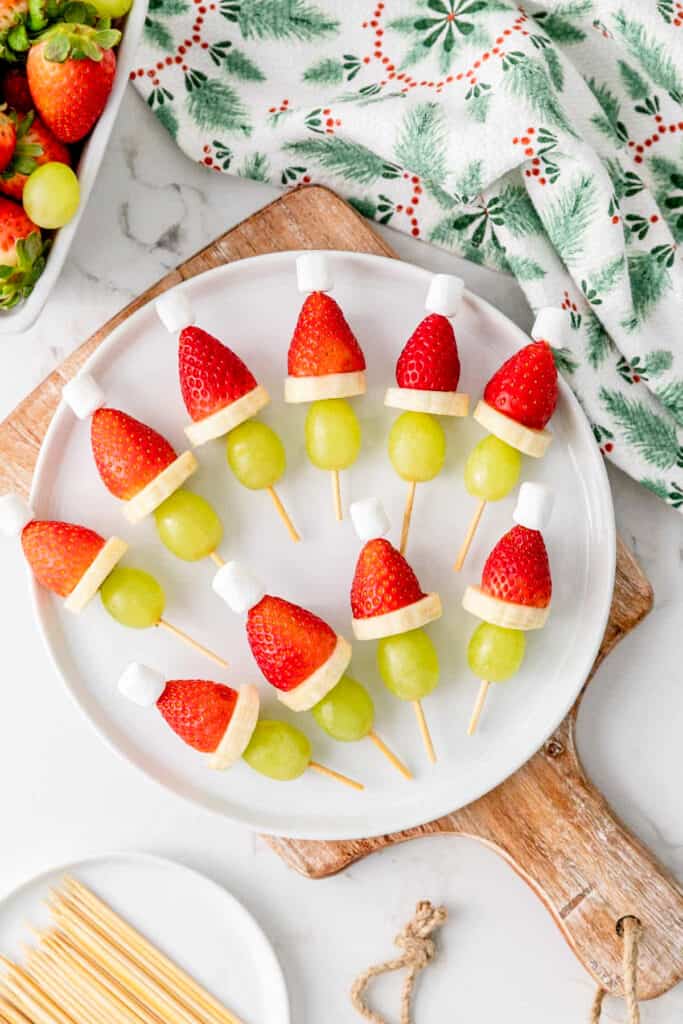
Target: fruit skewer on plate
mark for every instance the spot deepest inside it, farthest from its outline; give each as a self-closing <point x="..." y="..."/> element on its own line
<point x="518" y="402"/>
<point x="75" y="563"/>
<point x="389" y="605"/>
<point x="427" y="375"/>
<point x="303" y="658"/>
<point x="325" y="366"/>
<point x="514" y="595"/>
<point x="216" y="719"/>
<point x="222" y="396"/>
<point x="141" y="468"/>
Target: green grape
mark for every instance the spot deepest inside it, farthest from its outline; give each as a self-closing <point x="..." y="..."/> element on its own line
<point x="492" y="469"/>
<point x="347" y="712"/>
<point x="133" y="597"/>
<point x="417" y="446"/>
<point x="188" y="526"/>
<point x="278" y="750"/>
<point x="495" y="653"/>
<point x="112" y="8"/>
<point x="256" y="455"/>
<point x="408" y="664"/>
<point x="332" y="434"/>
<point x="51" y="195"/>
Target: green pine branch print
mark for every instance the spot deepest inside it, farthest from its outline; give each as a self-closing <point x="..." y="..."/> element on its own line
<point x="564" y="360"/>
<point x="238" y="64"/>
<point x="559" y="27"/>
<point x="649" y="54"/>
<point x="168" y="8"/>
<point x="524" y="268"/>
<point x="518" y="212"/>
<point x="635" y="84"/>
<point x="255" y="166"/>
<point x="598" y="343"/>
<point x="326" y="72"/>
<point x="602" y="281"/>
<point x="650" y="278"/>
<point x="609" y="122"/>
<point x="422" y="140"/>
<point x="527" y="79"/>
<point x="567" y="218"/>
<point x="671" y="397"/>
<point x="350" y="160"/>
<point x="650" y="434"/>
<point x="554" y="67"/>
<point x="668" y="178"/>
<point x="159" y="35"/>
<point x="215" y="105"/>
<point x="280" y="19"/>
<point x="469" y="182"/>
<point x="167" y="116"/>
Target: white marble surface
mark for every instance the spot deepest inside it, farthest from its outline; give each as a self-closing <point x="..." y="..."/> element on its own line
<point x="65" y="796"/>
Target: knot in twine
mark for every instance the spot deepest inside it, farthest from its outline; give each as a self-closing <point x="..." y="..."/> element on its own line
<point x="419" y="949"/>
<point x="629" y="928"/>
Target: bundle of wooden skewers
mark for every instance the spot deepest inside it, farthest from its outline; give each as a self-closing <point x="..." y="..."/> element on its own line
<point x="90" y="965"/>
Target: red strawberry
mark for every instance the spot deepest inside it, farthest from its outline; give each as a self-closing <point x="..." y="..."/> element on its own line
<point x="322" y="341"/>
<point x="198" y="711"/>
<point x="70" y="75"/>
<point x="15" y="90"/>
<point x="211" y="375"/>
<point x="525" y="387"/>
<point x="59" y="553"/>
<point x="429" y="360"/>
<point x="383" y="581"/>
<point x="288" y="642"/>
<point x="21" y="247"/>
<point x="128" y="453"/>
<point x="8" y="138"/>
<point x="36" y="145"/>
<point x="11" y="13"/>
<point x="518" y="570"/>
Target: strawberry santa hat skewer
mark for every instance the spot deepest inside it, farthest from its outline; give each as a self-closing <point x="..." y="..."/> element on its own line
<point x="519" y="401"/>
<point x="389" y="605"/>
<point x="514" y="595"/>
<point x="75" y="563"/>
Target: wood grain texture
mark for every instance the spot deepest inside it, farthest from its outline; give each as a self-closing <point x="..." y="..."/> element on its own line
<point x="547" y="821"/>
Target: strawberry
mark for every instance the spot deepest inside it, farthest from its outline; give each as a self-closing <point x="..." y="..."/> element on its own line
<point x="15" y="90"/>
<point x="288" y="642"/>
<point x="70" y="74"/>
<point x="211" y="375"/>
<point x="12" y="12"/>
<point x="8" y="137"/>
<point x="59" y="553"/>
<point x="22" y="254"/>
<point x="518" y="570"/>
<point x="429" y="360"/>
<point x="525" y="387"/>
<point x="322" y="341"/>
<point x="198" y="711"/>
<point x="383" y="581"/>
<point x="128" y="454"/>
<point x="35" y="145"/>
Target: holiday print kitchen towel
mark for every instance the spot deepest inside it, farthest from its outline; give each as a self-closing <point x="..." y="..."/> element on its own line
<point x="543" y="140"/>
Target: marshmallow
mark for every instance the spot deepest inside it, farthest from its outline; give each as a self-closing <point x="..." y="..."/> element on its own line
<point x="445" y="294"/>
<point x="534" y="505"/>
<point x="552" y="325"/>
<point x="84" y="395"/>
<point x="15" y="513"/>
<point x="142" y="684"/>
<point x="174" y="310"/>
<point x="369" y="518"/>
<point x="313" y="272"/>
<point x="238" y="588"/>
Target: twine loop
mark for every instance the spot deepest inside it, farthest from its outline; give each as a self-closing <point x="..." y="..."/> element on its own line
<point x="629" y="928"/>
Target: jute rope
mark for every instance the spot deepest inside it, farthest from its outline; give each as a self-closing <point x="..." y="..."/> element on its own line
<point x="418" y="950"/>
<point x="629" y="928"/>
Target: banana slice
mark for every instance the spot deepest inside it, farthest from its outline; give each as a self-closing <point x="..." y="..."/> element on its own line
<point x="240" y="730"/>
<point x="503" y="613"/>
<point x="439" y="403"/>
<point x="94" y="576"/>
<point x="226" y="419"/>
<point x="160" y="488"/>
<point x="412" y="616"/>
<point x="330" y="385"/>
<point x="528" y="441"/>
<point x="307" y="694"/>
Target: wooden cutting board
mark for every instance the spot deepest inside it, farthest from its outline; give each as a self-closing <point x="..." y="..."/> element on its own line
<point x="548" y="821"/>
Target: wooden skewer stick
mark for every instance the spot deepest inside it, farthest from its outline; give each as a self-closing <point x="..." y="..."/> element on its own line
<point x="424" y="730"/>
<point x="284" y="515"/>
<point x="478" y="706"/>
<point x="469" y="536"/>
<point x="215" y="557"/>
<point x="30" y="998"/>
<point x="337" y="776"/>
<point x="389" y="754"/>
<point x="336" y="495"/>
<point x="186" y="639"/>
<point x="10" y="1014"/>
<point x="60" y="986"/>
<point x="407" y="516"/>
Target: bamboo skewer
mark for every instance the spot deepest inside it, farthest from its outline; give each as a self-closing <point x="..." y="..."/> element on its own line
<point x="424" y="731"/>
<point x="336" y="495"/>
<point x="215" y="557"/>
<point x="284" y="515"/>
<point x="389" y="754"/>
<point x="61" y="988"/>
<point x="324" y="770"/>
<point x="478" y="706"/>
<point x="469" y="536"/>
<point x="30" y="997"/>
<point x="191" y="642"/>
<point x="407" y="516"/>
<point x="10" y="1014"/>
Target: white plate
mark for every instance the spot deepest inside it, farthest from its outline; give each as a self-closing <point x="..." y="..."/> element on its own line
<point x="202" y="927"/>
<point x="23" y="315"/>
<point x="253" y="305"/>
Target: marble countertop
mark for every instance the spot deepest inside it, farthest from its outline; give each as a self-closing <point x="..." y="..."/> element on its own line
<point x="65" y="795"/>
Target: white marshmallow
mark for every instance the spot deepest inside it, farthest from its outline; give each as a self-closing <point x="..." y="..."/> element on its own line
<point x="174" y="310"/>
<point x="238" y="588"/>
<point x="142" y="684"/>
<point x="313" y="272"/>
<point x="15" y="513"/>
<point x="369" y="518"/>
<point x="534" y="505"/>
<point x="84" y="395"/>
<point x="445" y="294"/>
<point x="552" y="325"/>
